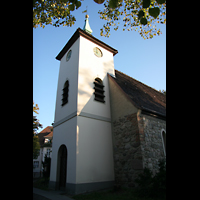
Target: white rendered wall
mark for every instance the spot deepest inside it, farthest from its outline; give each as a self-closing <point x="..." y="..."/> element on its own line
<point x="91" y="67"/>
<point x="94" y="151"/>
<point x="65" y="134"/>
<point x="88" y="141"/>
<point x="68" y="71"/>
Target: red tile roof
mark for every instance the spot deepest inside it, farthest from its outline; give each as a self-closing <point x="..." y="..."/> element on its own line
<point x="47" y="132"/>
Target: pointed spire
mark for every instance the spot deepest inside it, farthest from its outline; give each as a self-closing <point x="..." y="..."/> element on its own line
<point x="86" y="25"/>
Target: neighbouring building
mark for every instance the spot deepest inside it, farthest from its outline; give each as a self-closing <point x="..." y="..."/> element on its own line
<point x="45" y="140"/>
<point x="107" y="126"/>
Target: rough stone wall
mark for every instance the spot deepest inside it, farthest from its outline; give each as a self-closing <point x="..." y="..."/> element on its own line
<point x="127" y="150"/>
<point x="137" y="144"/>
<point x="151" y="142"/>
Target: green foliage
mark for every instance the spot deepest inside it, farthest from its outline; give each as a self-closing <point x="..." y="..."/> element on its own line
<point x="136" y="16"/>
<point x="140" y="14"/>
<point x="47" y="166"/>
<point x="36" y="126"/>
<point x="143" y="21"/>
<point x="154" y="12"/>
<point x="54" y="12"/>
<point x="146" y="3"/>
<point x="160" y="1"/>
<point x="163" y="91"/>
<point x="113" y="3"/>
<point x="150" y="186"/>
<point x="36" y="147"/>
<point x="42" y="183"/>
<point x="59" y="12"/>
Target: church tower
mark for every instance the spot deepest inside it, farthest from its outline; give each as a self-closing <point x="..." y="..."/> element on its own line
<point x="82" y="150"/>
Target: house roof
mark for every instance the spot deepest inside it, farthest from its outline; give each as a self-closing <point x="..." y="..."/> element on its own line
<point x="88" y="36"/>
<point x="45" y="133"/>
<point x="142" y="96"/>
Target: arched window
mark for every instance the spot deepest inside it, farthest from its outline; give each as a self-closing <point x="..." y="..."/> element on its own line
<point x="98" y="90"/>
<point x="65" y="93"/>
<point x="163" y="135"/>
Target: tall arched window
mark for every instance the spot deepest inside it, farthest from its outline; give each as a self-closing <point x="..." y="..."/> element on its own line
<point x="98" y="90"/>
<point x="65" y="93"/>
<point x="163" y="135"/>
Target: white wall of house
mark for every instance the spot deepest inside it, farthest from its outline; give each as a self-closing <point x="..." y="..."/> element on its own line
<point x="94" y="151"/>
<point x="37" y="169"/>
<point x="87" y="133"/>
<point x="68" y="71"/>
<point x="91" y="67"/>
<point x="94" y="148"/>
<point x="65" y="134"/>
<point x="40" y="158"/>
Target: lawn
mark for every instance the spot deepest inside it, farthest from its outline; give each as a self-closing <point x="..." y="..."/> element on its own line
<point x="41" y="183"/>
<point x="123" y="194"/>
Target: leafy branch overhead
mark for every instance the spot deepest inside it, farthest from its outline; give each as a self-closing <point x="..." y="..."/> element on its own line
<point x="54" y="12"/>
<point x="141" y="15"/>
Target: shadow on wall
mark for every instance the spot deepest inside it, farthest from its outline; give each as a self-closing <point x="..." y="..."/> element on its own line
<point x="86" y="102"/>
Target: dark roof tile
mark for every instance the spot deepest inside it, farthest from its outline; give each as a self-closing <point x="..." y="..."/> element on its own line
<point x="142" y="96"/>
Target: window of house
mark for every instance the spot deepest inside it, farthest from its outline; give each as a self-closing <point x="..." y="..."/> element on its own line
<point x="48" y="152"/>
<point x="35" y="164"/>
<point x="164" y="140"/>
<point x="98" y="90"/>
<point x="46" y="140"/>
<point x="65" y="93"/>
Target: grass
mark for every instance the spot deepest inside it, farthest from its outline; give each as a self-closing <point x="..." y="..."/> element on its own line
<point x="41" y="183"/>
<point x="123" y="194"/>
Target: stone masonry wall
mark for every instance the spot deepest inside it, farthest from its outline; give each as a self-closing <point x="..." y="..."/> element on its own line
<point x="137" y="144"/>
<point x="127" y="150"/>
<point x="151" y="142"/>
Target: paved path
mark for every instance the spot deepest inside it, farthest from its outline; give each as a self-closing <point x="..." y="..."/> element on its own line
<point x="49" y="195"/>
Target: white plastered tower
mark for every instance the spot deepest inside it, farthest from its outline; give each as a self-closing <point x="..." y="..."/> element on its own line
<point x="82" y="150"/>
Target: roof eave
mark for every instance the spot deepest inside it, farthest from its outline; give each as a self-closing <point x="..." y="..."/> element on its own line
<point x="142" y="108"/>
<point x="79" y="32"/>
<point x="134" y="104"/>
<point x="153" y="113"/>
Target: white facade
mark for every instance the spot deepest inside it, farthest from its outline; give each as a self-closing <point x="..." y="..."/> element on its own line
<point x="83" y="125"/>
<point x="38" y="168"/>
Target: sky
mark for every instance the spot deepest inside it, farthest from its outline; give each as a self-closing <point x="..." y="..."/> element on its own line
<point x="144" y="60"/>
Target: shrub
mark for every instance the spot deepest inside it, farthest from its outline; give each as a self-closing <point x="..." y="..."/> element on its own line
<point x="152" y="186"/>
<point x="46" y="166"/>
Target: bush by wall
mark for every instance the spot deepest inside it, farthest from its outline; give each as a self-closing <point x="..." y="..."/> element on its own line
<point x="152" y="186"/>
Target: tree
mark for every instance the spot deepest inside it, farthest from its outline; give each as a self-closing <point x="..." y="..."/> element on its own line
<point x="141" y="15"/>
<point x="163" y="91"/>
<point x="36" y="125"/>
<point x="36" y="146"/>
<point x="46" y="166"/>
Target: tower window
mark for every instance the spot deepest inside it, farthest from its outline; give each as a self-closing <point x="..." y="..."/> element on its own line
<point x="98" y="90"/>
<point x="65" y="93"/>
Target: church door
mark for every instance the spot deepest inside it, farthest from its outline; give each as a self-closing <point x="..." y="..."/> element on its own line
<point x="63" y="166"/>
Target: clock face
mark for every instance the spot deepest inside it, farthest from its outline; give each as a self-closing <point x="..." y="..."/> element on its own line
<point x="68" y="55"/>
<point x="97" y="52"/>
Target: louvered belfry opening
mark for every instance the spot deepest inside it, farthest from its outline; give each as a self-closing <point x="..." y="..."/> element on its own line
<point x="65" y="93"/>
<point x="98" y="90"/>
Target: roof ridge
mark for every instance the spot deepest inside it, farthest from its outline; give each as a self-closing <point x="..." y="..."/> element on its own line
<point x="139" y="81"/>
<point x="46" y="129"/>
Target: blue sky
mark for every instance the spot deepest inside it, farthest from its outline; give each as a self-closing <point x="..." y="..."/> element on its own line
<point x="144" y="60"/>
